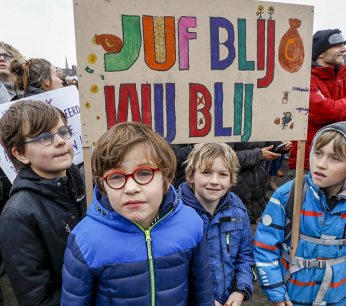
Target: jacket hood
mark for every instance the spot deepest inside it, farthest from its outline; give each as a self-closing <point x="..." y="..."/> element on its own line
<point x="339" y="127"/>
<point x="102" y="211"/>
<point x="188" y="197"/>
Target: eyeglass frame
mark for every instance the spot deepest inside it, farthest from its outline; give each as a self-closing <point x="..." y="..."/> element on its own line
<point x="52" y="136"/>
<point x="6" y="56"/>
<point x="105" y="178"/>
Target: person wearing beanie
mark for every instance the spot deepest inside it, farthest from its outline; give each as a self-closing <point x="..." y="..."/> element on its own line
<point x="327" y="89"/>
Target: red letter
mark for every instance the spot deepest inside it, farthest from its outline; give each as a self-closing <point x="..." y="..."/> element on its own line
<point x="195" y="106"/>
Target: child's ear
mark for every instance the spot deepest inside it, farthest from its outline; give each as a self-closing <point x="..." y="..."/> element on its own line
<point x="190" y="180"/>
<point x="21" y="157"/>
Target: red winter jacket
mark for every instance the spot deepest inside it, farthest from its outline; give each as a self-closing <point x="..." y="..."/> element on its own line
<point x="327" y="105"/>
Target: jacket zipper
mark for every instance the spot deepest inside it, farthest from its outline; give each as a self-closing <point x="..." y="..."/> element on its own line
<point x="150" y="255"/>
<point x="151" y="266"/>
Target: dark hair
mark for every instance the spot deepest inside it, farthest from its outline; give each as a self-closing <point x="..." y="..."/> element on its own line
<point x="113" y="145"/>
<point x="33" y="73"/>
<point x="26" y="118"/>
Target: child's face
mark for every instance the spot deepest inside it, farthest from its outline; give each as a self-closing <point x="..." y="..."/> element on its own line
<point x="135" y="202"/>
<point x="212" y="184"/>
<point x="49" y="161"/>
<point x="327" y="170"/>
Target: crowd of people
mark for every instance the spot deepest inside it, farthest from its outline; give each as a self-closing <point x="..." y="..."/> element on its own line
<point x="170" y="225"/>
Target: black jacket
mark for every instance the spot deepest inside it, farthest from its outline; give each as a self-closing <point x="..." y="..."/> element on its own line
<point x="34" y="227"/>
<point x="252" y="178"/>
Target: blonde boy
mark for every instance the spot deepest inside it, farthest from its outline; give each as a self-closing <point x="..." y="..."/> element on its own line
<point x="210" y="172"/>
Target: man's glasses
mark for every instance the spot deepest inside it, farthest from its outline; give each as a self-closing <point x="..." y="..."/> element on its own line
<point x="46" y="139"/>
<point x="142" y="176"/>
<point x="6" y="56"/>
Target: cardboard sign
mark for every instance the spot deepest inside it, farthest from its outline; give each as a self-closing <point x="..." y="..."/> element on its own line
<point x="196" y="71"/>
<point x="66" y="99"/>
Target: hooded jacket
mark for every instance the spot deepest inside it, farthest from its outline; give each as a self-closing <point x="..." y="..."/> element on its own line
<point x="110" y="260"/>
<point x="34" y="227"/>
<point x="253" y="177"/>
<point x="318" y="221"/>
<point x="230" y="243"/>
<point x="327" y="104"/>
<point x="31" y="92"/>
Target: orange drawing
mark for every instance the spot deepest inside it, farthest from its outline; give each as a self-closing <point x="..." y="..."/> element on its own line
<point x="110" y="43"/>
<point x="291" y="49"/>
<point x="277" y="121"/>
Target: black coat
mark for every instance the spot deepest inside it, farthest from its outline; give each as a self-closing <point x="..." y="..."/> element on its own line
<point x="34" y="227"/>
<point x="252" y="178"/>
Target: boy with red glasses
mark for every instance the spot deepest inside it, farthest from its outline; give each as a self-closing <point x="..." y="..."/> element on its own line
<point x="138" y="245"/>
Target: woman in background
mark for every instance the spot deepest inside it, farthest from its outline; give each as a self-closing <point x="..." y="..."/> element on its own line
<point x="34" y="76"/>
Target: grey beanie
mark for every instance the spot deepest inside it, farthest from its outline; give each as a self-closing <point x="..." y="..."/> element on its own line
<point x="325" y="39"/>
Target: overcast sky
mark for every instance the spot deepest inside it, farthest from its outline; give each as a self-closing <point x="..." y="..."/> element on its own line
<point x="45" y="28"/>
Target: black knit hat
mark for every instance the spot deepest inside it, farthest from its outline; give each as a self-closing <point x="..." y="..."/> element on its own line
<point x="325" y="39"/>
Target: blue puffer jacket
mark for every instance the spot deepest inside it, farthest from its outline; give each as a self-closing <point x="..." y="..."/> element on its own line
<point x="112" y="261"/>
<point x="316" y="220"/>
<point x="230" y="243"/>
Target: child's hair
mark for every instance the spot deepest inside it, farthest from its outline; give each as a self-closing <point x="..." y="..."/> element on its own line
<point x="33" y="73"/>
<point x="339" y="142"/>
<point x="26" y="118"/>
<point x="202" y="156"/>
<point x="11" y="50"/>
<point x="113" y="145"/>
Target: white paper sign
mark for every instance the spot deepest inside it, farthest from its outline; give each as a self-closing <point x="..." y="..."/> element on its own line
<point x="66" y="99"/>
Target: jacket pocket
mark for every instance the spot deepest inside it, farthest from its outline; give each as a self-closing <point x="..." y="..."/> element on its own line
<point x="230" y="238"/>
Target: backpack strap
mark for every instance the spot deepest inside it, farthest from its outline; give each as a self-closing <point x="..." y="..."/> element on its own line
<point x="289" y="206"/>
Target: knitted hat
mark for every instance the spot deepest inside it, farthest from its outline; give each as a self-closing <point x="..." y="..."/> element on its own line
<point x="324" y="40"/>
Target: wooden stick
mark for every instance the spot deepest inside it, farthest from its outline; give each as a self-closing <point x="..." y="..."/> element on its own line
<point x="88" y="175"/>
<point x="297" y="204"/>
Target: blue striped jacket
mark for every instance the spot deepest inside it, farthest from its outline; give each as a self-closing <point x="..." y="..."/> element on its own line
<point x="316" y="220"/>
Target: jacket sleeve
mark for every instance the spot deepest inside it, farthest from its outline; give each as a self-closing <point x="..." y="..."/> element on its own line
<point x="267" y="247"/>
<point x="249" y="158"/>
<point x="200" y="279"/>
<point x="24" y="257"/>
<point x="324" y="109"/>
<point x="77" y="279"/>
<point x="245" y="261"/>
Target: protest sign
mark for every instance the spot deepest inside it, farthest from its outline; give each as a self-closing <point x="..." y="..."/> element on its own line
<point x="196" y="71"/>
<point x="66" y="99"/>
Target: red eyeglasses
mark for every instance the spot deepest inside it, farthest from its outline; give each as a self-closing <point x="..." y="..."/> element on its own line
<point x="142" y="176"/>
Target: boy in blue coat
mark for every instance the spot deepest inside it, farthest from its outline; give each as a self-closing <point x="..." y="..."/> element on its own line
<point x="138" y="244"/>
<point x="317" y="275"/>
<point x="210" y="172"/>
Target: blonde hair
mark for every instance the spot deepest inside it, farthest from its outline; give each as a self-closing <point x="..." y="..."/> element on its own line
<point x="339" y="142"/>
<point x="202" y="157"/>
<point x="113" y="145"/>
<point x="13" y="51"/>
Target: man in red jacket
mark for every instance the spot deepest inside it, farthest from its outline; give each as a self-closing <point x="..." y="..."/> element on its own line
<point x="327" y="89"/>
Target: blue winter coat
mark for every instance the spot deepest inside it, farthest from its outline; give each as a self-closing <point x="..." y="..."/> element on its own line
<point x="230" y="243"/>
<point x="111" y="261"/>
<point x="316" y="220"/>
